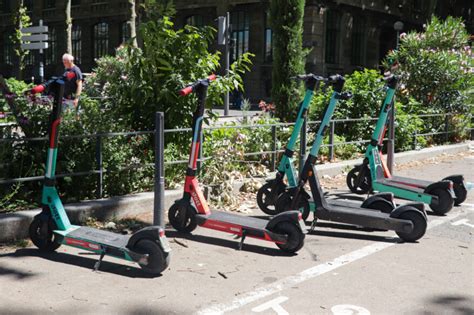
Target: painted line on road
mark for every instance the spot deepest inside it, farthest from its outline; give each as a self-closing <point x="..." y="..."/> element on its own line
<point x="308" y="274"/>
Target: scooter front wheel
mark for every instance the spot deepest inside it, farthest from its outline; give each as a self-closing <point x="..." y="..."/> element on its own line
<point x="460" y="192"/>
<point x="42" y="235"/>
<point x="419" y="226"/>
<point x="365" y="183"/>
<point x="266" y="197"/>
<point x="182" y="218"/>
<point x="285" y="200"/>
<point x="295" y="237"/>
<point x="445" y="201"/>
<point x="158" y="260"/>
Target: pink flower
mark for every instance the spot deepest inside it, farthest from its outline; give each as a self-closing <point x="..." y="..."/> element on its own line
<point x="403" y="35"/>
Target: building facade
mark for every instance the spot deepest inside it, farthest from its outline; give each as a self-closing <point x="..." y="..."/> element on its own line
<point x="342" y="35"/>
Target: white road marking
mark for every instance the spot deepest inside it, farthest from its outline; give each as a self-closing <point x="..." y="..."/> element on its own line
<point x="274" y="305"/>
<point x="463" y="222"/>
<point x="347" y="309"/>
<point x="309" y="274"/>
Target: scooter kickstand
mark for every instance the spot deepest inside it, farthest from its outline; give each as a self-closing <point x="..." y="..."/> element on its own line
<point x="97" y="263"/>
<point x="242" y="239"/>
<point x="313" y="225"/>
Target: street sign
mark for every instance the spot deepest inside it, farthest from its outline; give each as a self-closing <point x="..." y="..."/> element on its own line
<point x="35" y="29"/>
<point x="33" y="46"/>
<point x="35" y="38"/>
<point x="221" y="30"/>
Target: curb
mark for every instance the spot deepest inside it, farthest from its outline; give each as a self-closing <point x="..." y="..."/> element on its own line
<point x="14" y="226"/>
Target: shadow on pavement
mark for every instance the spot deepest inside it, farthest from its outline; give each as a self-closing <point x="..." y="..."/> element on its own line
<point x="18" y="274"/>
<point x="358" y="236"/>
<point x="449" y="304"/>
<point x="264" y="249"/>
<point x="81" y="261"/>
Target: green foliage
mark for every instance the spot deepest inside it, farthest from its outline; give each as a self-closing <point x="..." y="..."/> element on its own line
<point x="286" y="18"/>
<point x="341" y="151"/>
<point x="436" y="65"/>
<point x="20" y="20"/>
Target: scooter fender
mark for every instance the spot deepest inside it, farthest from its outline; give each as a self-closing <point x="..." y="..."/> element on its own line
<point x="291" y="216"/>
<point x="384" y="197"/>
<point x="444" y="184"/>
<point x="412" y="206"/>
<point x="456" y="179"/>
<point x="154" y="233"/>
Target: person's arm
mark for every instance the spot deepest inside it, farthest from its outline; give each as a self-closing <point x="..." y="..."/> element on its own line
<point x="78" y="92"/>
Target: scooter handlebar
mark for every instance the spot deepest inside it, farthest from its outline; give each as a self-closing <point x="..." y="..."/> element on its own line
<point x="345" y="95"/>
<point x="190" y="88"/>
<point x="41" y="87"/>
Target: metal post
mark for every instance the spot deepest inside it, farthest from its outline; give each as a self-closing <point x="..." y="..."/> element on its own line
<point x="41" y="64"/>
<point x="99" y="161"/>
<point x="331" y="141"/>
<point x="446" y="128"/>
<point x="391" y="139"/>
<point x="303" y="143"/>
<point x="227" y="61"/>
<point x="201" y="143"/>
<point x="159" y="202"/>
<point x="274" y="148"/>
<point x="415" y="143"/>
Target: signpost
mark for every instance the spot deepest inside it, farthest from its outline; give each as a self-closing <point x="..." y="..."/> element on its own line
<point x="36" y="38"/>
<point x="223" y="39"/>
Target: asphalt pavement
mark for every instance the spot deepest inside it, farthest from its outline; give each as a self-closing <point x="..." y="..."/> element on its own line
<point x="341" y="270"/>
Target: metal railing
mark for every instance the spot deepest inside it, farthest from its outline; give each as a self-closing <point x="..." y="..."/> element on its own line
<point x="303" y="149"/>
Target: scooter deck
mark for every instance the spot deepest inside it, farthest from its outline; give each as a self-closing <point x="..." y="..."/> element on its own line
<point x="99" y="236"/>
<point x="411" y="181"/>
<point x="233" y="219"/>
<point x="391" y="183"/>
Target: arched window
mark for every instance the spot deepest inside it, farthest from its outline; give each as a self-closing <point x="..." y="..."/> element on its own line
<point x="50" y="52"/>
<point x="101" y="39"/>
<point x="125" y="32"/>
<point x="332" y="36"/>
<point x="268" y="40"/>
<point x="194" y="20"/>
<point x="359" y="42"/>
<point x="240" y="33"/>
<point x="76" y="43"/>
<point x="7" y="48"/>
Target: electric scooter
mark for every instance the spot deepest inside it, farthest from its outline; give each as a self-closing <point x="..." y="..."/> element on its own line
<point x="409" y="221"/>
<point x="269" y="192"/>
<point x="148" y="247"/>
<point x="286" y="230"/>
<point x="374" y="175"/>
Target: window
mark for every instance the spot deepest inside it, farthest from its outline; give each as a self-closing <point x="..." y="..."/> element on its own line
<point x="30" y="58"/>
<point x="50" y="52"/>
<point x="125" y="32"/>
<point x="76" y="43"/>
<point x="194" y="20"/>
<point x="28" y="4"/>
<point x="5" y="6"/>
<point x="76" y="2"/>
<point x="359" y="42"/>
<point x="49" y="4"/>
<point x="268" y="43"/>
<point x="7" y="50"/>
<point x="101" y="39"/>
<point x="332" y="37"/>
<point x="240" y="33"/>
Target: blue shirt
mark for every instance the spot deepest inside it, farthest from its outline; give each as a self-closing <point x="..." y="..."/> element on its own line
<point x="70" y="87"/>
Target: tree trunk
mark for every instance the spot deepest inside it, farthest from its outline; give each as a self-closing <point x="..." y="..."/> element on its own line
<point x="68" y="27"/>
<point x="132" y="23"/>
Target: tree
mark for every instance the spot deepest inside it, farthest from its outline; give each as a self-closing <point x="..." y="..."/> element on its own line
<point x="68" y="27"/>
<point x="20" y="20"/>
<point x="286" y="18"/>
<point x="132" y="22"/>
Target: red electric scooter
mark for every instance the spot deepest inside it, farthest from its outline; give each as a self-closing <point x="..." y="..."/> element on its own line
<point x="287" y="230"/>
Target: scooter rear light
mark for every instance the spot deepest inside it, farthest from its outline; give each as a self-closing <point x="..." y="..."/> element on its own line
<point x="450" y="185"/>
<point x="162" y="233"/>
<point x="300" y="216"/>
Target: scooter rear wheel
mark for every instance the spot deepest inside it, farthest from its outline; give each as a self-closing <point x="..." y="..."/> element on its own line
<point x="361" y="189"/>
<point x="295" y="236"/>
<point x="182" y="222"/>
<point x="158" y="260"/>
<point x="461" y="193"/>
<point x="419" y="226"/>
<point x="264" y="197"/>
<point x="385" y="207"/>
<point x="285" y="201"/>
<point x="42" y="235"/>
<point x="445" y="201"/>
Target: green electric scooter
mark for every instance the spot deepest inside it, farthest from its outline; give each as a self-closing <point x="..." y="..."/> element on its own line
<point x="373" y="174"/>
<point x="148" y="247"/>
<point x="409" y="221"/>
<point x="269" y="192"/>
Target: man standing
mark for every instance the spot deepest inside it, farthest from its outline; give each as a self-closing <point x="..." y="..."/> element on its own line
<point x="73" y="87"/>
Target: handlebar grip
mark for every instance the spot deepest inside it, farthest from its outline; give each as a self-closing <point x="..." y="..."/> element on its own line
<point x="212" y="77"/>
<point x="346" y="95"/>
<point x="186" y="91"/>
<point x="37" y="89"/>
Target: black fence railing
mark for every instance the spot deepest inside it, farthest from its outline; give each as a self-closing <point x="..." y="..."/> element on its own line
<point x="99" y="137"/>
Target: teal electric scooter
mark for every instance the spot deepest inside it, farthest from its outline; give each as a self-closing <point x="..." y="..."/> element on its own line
<point x="270" y="191"/>
<point x="148" y="247"/>
<point x="409" y="221"/>
<point x="373" y="174"/>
